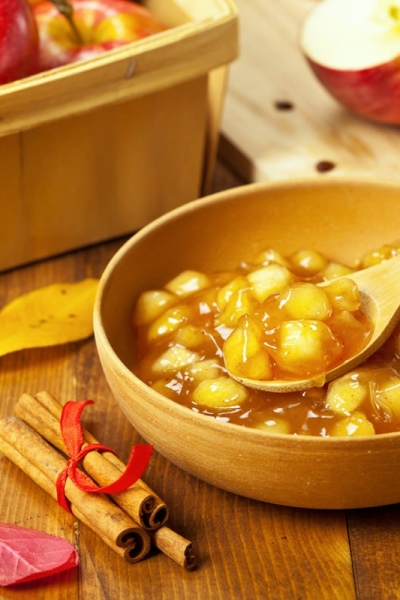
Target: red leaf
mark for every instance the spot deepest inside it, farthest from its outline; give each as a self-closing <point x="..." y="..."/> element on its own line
<point x="26" y="554"/>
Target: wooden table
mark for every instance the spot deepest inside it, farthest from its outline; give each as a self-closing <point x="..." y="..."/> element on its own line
<point x="247" y="550"/>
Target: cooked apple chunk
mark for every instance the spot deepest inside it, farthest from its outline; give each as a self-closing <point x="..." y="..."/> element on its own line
<point x="187" y="283"/>
<point x="220" y="392"/>
<point x="306" y="346"/>
<point x="174" y="359"/>
<point x="151" y="305"/>
<point x="269" y="280"/>
<point x="244" y="352"/>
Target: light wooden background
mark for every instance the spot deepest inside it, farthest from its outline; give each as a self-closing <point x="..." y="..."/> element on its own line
<point x="264" y="143"/>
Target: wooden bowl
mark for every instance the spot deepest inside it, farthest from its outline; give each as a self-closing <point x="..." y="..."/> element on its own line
<point x="340" y="217"/>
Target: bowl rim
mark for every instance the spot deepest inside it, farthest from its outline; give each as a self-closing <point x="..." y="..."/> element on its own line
<point x="184" y="411"/>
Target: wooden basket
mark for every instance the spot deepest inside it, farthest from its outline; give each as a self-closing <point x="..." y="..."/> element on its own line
<point x="97" y="149"/>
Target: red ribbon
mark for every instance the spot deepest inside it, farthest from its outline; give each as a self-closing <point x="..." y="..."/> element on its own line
<point x="72" y="434"/>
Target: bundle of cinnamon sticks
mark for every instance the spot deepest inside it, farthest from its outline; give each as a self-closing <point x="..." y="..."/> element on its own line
<point x="129" y="522"/>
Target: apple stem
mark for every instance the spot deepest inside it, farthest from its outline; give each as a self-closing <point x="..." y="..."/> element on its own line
<point x="65" y="8"/>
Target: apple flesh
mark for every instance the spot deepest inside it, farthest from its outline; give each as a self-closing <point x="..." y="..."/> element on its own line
<point x="354" y="51"/>
<point x="18" y="40"/>
<point x="102" y="25"/>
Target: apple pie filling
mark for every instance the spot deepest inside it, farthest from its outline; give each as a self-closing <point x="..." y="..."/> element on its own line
<point x="269" y="319"/>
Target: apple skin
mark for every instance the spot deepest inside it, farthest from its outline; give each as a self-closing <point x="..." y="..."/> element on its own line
<point x="19" y="42"/>
<point x="372" y="93"/>
<point x="103" y="25"/>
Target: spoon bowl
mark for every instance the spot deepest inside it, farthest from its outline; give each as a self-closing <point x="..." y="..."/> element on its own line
<point x="379" y="288"/>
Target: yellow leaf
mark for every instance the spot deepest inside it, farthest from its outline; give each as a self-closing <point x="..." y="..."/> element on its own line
<point x="55" y="314"/>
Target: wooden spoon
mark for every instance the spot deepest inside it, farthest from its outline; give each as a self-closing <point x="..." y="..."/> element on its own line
<point x="379" y="288"/>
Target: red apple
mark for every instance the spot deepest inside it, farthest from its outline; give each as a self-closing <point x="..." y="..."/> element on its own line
<point x="354" y="51"/>
<point x="102" y="25"/>
<point x="18" y="40"/>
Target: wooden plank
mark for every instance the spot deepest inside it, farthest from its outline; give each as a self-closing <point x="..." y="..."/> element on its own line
<point x="12" y="232"/>
<point x="375" y="546"/>
<point x="217" y="81"/>
<point x="264" y="143"/>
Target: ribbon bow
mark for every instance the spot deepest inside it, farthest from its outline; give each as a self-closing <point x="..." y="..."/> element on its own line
<point x="72" y="434"/>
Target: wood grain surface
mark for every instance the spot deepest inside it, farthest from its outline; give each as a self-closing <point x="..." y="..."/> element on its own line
<point x="247" y="550"/>
<point x="262" y="141"/>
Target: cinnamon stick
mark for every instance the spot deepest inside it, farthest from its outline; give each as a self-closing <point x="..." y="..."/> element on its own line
<point x="42" y="412"/>
<point x="42" y="463"/>
<point x="140" y="501"/>
<point x="96" y="465"/>
<point x="176" y="547"/>
<point x="44" y="482"/>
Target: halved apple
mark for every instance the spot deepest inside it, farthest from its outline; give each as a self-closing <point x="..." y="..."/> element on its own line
<point x="354" y="50"/>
